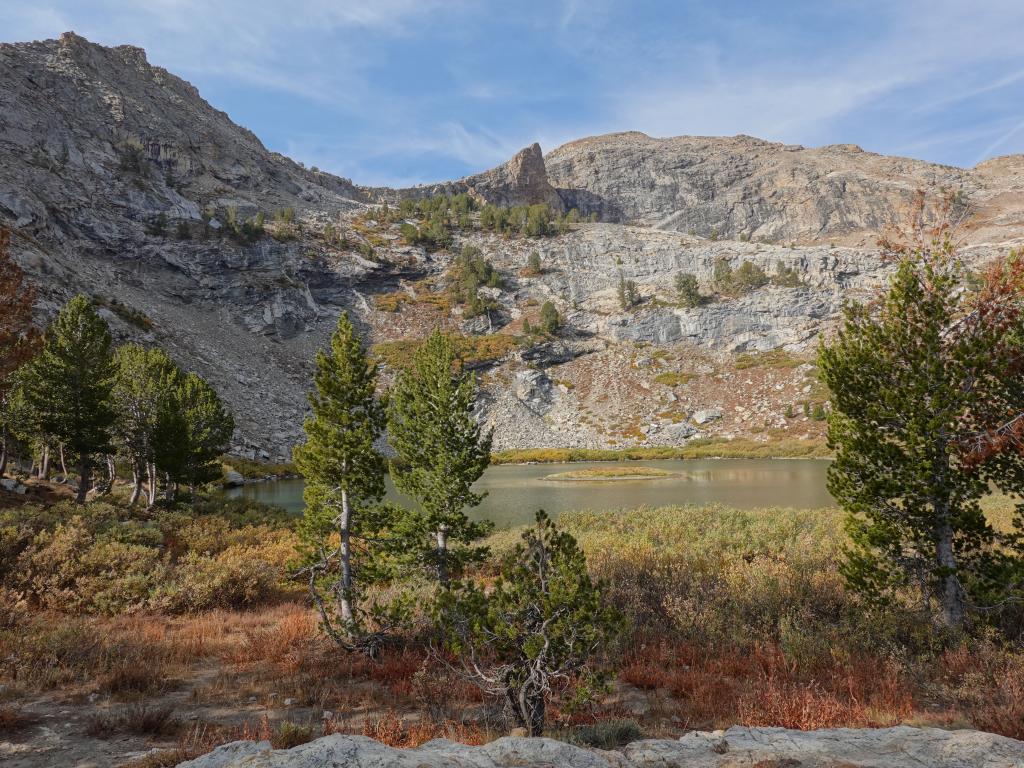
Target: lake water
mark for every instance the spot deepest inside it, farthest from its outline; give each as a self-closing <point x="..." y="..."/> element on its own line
<point x="516" y="491"/>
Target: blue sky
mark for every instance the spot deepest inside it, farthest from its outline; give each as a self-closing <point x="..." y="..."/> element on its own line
<point x="404" y="91"/>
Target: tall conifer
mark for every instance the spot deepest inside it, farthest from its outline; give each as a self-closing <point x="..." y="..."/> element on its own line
<point x="344" y="481"/>
<point x="70" y="382"/>
<point x="442" y="451"/>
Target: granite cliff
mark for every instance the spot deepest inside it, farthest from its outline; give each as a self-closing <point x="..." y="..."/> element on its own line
<point x="120" y="181"/>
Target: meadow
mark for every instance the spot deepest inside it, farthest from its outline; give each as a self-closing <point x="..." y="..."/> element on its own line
<point x="181" y="628"/>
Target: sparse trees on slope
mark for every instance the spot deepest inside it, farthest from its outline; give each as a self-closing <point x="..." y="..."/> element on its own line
<point x="442" y="451"/>
<point x="69" y="385"/>
<point x="538" y="628"/>
<point x="927" y="399"/>
<point x="344" y="481"/>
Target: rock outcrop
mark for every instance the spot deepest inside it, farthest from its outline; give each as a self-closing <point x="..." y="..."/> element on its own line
<point x="523" y="180"/>
<point x="746" y="187"/>
<point x="738" y="747"/>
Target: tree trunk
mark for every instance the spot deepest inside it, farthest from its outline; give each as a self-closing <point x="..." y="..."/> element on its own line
<point x="63" y="464"/>
<point x="950" y="593"/>
<point x="442" y="555"/>
<point x="151" y="482"/>
<point x="345" y="590"/>
<point x="3" y="451"/>
<point x="136" y="484"/>
<point x="528" y="709"/>
<point x="44" y="464"/>
<point x="952" y="601"/>
<point x="84" y="472"/>
<point x="108" y="484"/>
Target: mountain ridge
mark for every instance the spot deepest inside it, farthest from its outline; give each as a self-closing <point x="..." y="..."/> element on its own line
<point x="119" y="181"/>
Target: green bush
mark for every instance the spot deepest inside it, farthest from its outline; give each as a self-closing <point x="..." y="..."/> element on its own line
<point x="744" y="279"/>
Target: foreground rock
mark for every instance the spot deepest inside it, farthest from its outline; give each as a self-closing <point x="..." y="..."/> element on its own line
<point x="739" y="746"/>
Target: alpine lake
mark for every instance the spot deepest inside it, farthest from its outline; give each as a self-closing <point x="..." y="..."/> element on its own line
<point x="516" y="491"/>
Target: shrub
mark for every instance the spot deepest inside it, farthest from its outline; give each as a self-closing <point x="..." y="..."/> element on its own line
<point x="238" y="577"/>
<point x="744" y="279"/>
<point x="787" y="277"/>
<point x="132" y="158"/>
<point x="674" y="378"/>
<point x="687" y="290"/>
<point x="606" y="734"/>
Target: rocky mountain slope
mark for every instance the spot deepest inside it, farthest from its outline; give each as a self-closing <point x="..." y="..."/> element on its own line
<point x="121" y="182"/>
<point x="738" y="747"/>
<point x="742" y="187"/>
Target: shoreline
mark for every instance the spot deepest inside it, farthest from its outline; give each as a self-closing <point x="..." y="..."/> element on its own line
<point x="703" y="449"/>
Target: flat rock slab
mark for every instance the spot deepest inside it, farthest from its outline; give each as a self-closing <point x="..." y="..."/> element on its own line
<point x="738" y="747"/>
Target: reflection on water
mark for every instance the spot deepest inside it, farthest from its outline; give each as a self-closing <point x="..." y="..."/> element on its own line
<point x="515" y="492"/>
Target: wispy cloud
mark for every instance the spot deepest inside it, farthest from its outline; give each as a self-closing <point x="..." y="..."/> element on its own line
<point x="396" y="91"/>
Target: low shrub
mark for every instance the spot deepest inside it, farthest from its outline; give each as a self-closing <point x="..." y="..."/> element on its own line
<point x="606" y="734"/>
<point x="100" y="559"/>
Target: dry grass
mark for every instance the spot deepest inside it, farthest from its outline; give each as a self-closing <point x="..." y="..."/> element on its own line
<point x="390" y="729"/>
<point x="138" y="719"/>
<point x="612" y="473"/>
<point x="711" y="448"/>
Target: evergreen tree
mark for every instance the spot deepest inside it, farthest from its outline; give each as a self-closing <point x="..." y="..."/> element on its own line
<point x="629" y="295"/>
<point x="687" y="290"/>
<point x="533" y="264"/>
<point x="205" y="427"/>
<point x="550" y="322"/>
<point x="70" y="383"/>
<point x="144" y="392"/>
<point x="537" y="629"/>
<point x="344" y="481"/>
<point x="441" y="451"/>
<point x="18" y="422"/>
<point x="922" y="382"/>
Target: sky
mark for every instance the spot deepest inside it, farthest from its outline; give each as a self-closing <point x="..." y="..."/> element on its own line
<point x="399" y="92"/>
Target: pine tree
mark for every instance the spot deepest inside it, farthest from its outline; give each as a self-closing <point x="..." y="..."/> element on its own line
<point x="205" y="426"/>
<point x="70" y="383"/>
<point x="629" y="295"/>
<point x="442" y="451"/>
<point x="344" y="480"/>
<point x="550" y="322"/>
<point x="687" y="290"/>
<point x="145" y="390"/>
<point x="922" y="384"/>
<point x="537" y="629"/>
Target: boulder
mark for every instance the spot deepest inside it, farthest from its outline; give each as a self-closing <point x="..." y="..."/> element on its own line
<point x="738" y="747"/>
<point x="233" y="479"/>
<point x="706" y="415"/>
<point x="13" y="486"/>
<point x="534" y="390"/>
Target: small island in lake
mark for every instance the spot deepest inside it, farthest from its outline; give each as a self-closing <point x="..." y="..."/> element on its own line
<point x="606" y="474"/>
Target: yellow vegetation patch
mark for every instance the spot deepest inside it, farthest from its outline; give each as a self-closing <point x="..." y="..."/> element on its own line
<point x="612" y="473"/>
